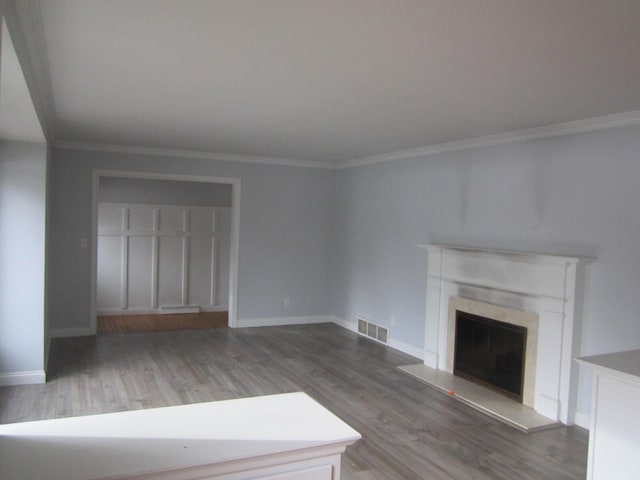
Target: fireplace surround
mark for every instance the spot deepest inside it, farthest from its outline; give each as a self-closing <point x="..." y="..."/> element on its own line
<point x="531" y="290"/>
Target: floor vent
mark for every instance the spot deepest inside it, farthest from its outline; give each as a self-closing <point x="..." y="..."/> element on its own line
<point x="373" y="331"/>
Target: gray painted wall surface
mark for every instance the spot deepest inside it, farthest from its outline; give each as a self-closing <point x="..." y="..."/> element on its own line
<point x="164" y="192"/>
<point x="23" y="170"/>
<point x="284" y="250"/>
<point x="577" y="195"/>
<point x="574" y="195"/>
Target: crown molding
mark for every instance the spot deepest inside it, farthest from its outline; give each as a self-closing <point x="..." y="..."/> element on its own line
<point x="165" y="152"/>
<point x="559" y="129"/>
<point x="567" y="128"/>
<point x="24" y="20"/>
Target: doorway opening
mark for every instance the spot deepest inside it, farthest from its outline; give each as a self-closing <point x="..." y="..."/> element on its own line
<point x="164" y="251"/>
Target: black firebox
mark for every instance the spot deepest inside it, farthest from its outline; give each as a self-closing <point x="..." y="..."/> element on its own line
<point x="490" y="353"/>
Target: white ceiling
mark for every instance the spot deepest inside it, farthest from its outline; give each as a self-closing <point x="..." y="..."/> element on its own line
<point x="333" y="80"/>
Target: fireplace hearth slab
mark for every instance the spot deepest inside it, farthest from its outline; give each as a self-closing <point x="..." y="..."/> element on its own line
<point x="512" y="413"/>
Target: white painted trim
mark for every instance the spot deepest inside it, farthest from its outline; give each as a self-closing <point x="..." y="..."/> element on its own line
<point x="536" y="133"/>
<point x="179" y="309"/>
<point x="558" y="129"/>
<point x="234" y="253"/>
<point x="582" y="420"/>
<point x="22" y="378"/>
<point x="166" y="152"/>
<point x="395" y="344"/>
<point x="430" y="359"/>
<point x="71" y="332"/>
<point x="341" y="322"/>
<point x="160" y="310"/>
<point x="234" y="234"/>
<point x="276" y="321"/>
<point x="185" y="259"/>
<point x="406" y="348"/>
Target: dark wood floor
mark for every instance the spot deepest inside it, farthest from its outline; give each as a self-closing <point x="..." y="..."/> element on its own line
<point x="161" y="322"/>
<point x="410" y="431"/>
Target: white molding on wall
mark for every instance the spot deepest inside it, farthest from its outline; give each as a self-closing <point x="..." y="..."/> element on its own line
<point x="536" y="133"/>
<point x="22" y="378"/>
<point x="126" y="231"/>
<point x="71" y="332"/>
<point x="279" y="321"/>
<point x="393" y="343"/>
<point x="583" y="420"/>
<point x="161" y="310"/>
<point x="166" y="152"/>
<point x="558" y="129"/>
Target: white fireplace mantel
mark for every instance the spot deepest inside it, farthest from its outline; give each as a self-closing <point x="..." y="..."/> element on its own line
<point x="529" y="282"/>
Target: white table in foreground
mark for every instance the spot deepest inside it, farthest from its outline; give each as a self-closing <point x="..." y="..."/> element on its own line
<point x="614" y="437"/>
<point x="275" y="437"/>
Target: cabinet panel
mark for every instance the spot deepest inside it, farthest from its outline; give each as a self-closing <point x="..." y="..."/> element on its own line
<point x="169" y="271"/>
<point x="140" y="218"/>
<point x="171" y="219"/>
<point x="202" y="219"/>
<point x="140" y="268"/>
<point x="316" y="473"/>
<point x="110" y="216"/>
<point x="200" y="261"/>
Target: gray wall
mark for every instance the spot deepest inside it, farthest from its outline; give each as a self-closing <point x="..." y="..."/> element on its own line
<point x="284" y="237"/>
<point x="164" y="192"/>
<point x="23" y="171"/>
<point x="577" y="195"/>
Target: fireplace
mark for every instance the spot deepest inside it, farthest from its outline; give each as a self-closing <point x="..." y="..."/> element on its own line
<point x="490" y="353"/>
<point x="527" y="290"/>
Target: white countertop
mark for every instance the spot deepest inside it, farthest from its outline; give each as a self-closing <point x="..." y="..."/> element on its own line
<point x="626" y="364"/>
<point x="161" y="439"/>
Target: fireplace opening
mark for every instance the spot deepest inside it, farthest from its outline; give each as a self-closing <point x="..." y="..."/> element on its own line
<point x="490" y="353"/>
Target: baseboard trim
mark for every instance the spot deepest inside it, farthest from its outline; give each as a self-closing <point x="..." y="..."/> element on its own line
<point x="405" y="348"/>
<point x="22" y="378"/>
<point x="430" y="359"/>
<point x="582" y="420"/>
<point x="393" y="343"/>
<point x="71" y="332"/>
<point x="276" y="321"/>
<point x="167" y="310"/>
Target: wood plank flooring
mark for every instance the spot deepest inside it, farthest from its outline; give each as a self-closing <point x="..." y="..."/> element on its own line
<point x="410" y="430"/>
<point x="161" y="323"/>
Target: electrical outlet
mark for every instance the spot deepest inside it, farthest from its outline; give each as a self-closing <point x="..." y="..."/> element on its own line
<point x="392" y="320"/>
<point x="84" y="243"/>
<point x="287" y="303"/>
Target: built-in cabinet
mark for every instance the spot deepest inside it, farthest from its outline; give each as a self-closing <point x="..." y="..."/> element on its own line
<point x="162" y="258"/>
<point x="614" y="434"/>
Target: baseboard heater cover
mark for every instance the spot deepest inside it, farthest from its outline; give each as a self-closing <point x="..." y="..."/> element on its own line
<point x="373" y="331"/>
<point x="179" y="308"/>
